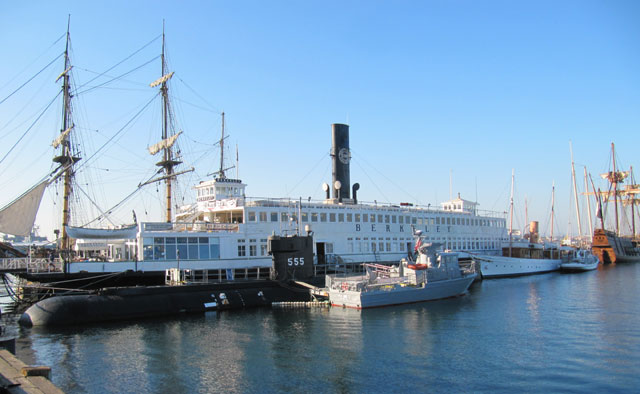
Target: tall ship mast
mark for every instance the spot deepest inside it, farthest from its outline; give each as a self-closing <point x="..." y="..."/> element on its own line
<point x="67" y="158"/>
<point x="169" y="138"/>
<point x="612" y="246"/>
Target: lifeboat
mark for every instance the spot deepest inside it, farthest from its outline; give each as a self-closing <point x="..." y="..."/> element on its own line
<point x="417" y="266"/>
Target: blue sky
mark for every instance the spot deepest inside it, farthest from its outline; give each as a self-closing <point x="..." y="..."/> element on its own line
<point x="433" y="91"/>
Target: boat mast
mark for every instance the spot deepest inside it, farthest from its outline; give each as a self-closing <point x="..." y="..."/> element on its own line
<point x="598" y="195"/>
<point x="221" y="173"/>
<point x="553" y="201"/>
<point x="513" y="175"/>
<point x="167" y="152"/>
<point x="66" y="158"/>
<point x="526" y="216"/>
<point x="586" y="195"/>
<point x="168" y="162"/>
<point x="575" y="191"/>
<point x="615" y="187"/>
<point x="632" y="190"/>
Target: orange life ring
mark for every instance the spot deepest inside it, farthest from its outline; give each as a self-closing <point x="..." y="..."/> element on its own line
<point x="417" y="266"/>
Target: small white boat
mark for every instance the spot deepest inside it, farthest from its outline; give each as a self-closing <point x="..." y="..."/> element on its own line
<point x="582" y="260"/>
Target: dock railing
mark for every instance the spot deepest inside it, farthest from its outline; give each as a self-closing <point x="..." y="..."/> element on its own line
<point x="29" y="264"/>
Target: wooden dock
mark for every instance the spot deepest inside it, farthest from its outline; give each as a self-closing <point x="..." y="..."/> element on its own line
<point x="18" y="377"/>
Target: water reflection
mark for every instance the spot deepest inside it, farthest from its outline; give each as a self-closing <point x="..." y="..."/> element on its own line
<point x="539" y="333"/>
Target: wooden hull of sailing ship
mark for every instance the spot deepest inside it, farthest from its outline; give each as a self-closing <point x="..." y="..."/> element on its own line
<point x="611" y="248"/>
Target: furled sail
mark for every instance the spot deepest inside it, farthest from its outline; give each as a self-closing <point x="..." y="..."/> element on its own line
<point x="62" y="74"/>
<point x="62" y="137"/>
<point x="128" y="232"/>
<point x="162" y="79"/>
<point x="18" y="217"/>
<point x="617" y="177"/>
<point x="166" y="143"/>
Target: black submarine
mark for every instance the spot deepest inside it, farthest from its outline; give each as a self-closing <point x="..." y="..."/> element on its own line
<point x="292" y="258"/>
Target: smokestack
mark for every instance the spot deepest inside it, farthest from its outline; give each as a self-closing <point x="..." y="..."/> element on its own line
<point x="340" y="156"/>
<point x="533" y="232"/>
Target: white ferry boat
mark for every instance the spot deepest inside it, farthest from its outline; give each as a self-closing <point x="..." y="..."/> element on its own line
<point x="226" y="232"/>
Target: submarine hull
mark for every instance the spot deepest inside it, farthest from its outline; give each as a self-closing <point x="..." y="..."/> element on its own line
<point x="140" y="302"/>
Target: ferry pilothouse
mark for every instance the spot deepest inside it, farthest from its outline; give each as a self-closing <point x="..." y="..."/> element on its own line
<point x="226" y="231"/>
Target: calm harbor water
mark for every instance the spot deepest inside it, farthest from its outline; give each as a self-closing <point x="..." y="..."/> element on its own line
<point x="545" y="333"/>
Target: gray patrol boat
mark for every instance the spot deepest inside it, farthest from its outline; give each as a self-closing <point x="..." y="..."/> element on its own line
<point x="434" y="275"/>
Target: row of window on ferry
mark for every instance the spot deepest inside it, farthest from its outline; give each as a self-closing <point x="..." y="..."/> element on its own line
<point x="183" y="248"/>
<point x="333" y="217"/>
<point x="196" y="248"/>
<point x="451" y="244"/>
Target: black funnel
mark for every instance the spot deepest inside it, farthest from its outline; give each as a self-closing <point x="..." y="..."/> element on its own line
<point x="340" y="158"/>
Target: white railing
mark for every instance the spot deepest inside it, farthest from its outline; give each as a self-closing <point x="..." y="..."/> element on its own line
<point x="30" y="264"/>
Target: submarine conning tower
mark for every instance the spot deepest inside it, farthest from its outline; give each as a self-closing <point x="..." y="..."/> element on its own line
<point x="340" y="158"/>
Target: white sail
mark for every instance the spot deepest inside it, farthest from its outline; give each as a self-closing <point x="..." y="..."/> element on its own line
<point x="102" y="233"/>
<point x="162" y="79"/>
<point x="166" y="143"/>
<point x="62" y="137"/>
<point x="18" y="217"/>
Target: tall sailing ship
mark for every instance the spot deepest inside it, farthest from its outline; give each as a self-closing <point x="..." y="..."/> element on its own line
<point x="225" y="232"/>
<point x="611" y="246"/>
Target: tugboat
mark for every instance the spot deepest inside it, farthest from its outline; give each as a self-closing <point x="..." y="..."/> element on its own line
<point x="434" y="275"/>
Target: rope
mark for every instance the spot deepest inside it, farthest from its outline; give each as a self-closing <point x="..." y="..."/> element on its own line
<point x="85" y="163"/>
<point x="30" y="127"/>
<point x="211" y="107"/>
<point x="79" y="279"/>
<point x="30" y="79"/>
<point x="56" y="288"/>
<point x="114" y="78"/>
<point x="119" y="63"/>
<point x="102" y="280"/>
